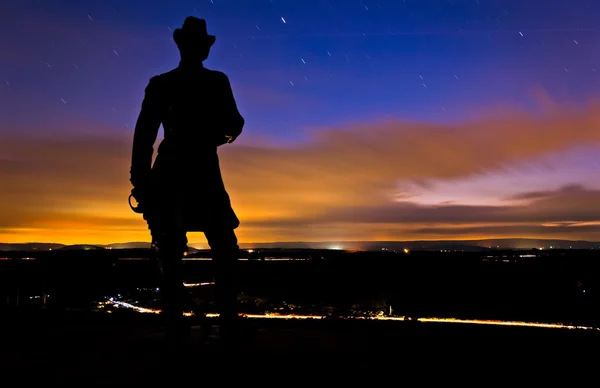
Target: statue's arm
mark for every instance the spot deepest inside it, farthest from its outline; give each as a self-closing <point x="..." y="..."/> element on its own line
<point x="145" y="134"/>
<point x="232" y="120"/>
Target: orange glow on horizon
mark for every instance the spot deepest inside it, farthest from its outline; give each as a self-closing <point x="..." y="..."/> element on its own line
<point x="197" y="239"/>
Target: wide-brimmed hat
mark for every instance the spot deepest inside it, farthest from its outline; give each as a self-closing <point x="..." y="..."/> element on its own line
<point x="193" y="31"/>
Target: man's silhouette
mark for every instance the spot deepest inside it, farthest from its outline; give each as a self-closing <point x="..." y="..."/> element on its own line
<point x="183" y="191"/>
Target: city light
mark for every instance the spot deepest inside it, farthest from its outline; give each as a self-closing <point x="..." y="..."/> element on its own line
<point x="191" y="285"/>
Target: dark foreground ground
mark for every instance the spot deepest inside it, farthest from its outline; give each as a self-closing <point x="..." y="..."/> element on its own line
<point x="59" y="346"/>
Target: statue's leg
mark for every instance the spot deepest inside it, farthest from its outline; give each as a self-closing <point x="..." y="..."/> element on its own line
<point x="225" y="252"/>
<point x="171" y="244"/>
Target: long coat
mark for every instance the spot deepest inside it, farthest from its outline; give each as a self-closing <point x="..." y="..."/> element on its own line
<point x="198" y="113"/>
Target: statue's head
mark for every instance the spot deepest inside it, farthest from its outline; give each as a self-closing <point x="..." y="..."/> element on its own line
<point x="192" y="39"/>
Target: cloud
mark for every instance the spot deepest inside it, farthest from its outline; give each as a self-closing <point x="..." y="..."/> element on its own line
<point x="576" y="232"/>
<point x="512" y="230"/>
<point x="568" y="212"/>
<point x="363" y="164"/>
<point x="536" y="195"/>
<point x="569" y="205"/>
<point x="343" y="183"/>
<point x="60" y="175"/>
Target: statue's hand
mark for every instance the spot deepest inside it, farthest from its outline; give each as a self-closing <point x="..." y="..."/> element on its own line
<point x="224" y="140"/>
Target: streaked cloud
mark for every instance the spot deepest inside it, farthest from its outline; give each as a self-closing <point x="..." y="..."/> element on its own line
<point x="375" y="180"/>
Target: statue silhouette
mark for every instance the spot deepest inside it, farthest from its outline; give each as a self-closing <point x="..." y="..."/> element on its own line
<point x="183" y="191"/>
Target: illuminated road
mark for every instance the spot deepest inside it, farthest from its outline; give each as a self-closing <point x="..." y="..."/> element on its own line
<point x="381" y="318"/>
<point x="244" y="259"/>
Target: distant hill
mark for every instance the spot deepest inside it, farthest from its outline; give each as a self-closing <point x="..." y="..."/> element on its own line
<point x="129" y="245"/>
<point x="29" y="246"/>
<point x="84" y="247"/>
<point x="465" y="245"/>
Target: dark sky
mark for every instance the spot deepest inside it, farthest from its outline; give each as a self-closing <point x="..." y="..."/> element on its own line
<point x="468" y="103"/>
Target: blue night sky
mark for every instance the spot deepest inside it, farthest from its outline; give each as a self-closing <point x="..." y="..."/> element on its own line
<point x="447" y="115"/>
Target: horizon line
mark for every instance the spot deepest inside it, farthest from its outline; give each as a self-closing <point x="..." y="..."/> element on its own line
<point x="323" y="241"/>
